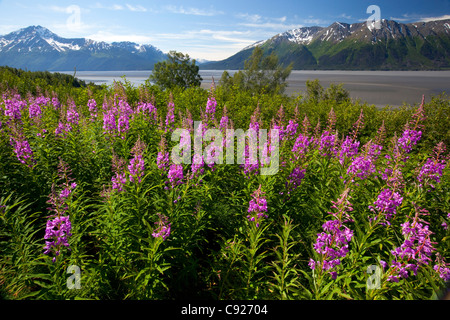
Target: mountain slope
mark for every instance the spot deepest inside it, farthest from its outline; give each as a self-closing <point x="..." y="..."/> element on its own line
<point x="37" y="48"/>
<point x="395" y="46"/>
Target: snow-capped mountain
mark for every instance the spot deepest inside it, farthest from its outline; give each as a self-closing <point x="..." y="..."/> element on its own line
<point x="393" y="46"/>
<point x="37" y="48"/>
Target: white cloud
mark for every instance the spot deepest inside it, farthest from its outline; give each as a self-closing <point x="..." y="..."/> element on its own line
<point x="345" y="16"/>
<point x="137" y="8"/>
<point x="253" y="18"/>
<point x="192" y="11"/>
<point x="418" y="18"/>
<point x="119" y="7"/>
<point x="258" y="22"/>
<point x="108" y="36"/>
<point x="444" y="17"/>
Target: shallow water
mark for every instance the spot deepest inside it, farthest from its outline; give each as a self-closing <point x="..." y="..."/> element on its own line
<point x="380" y="88"/>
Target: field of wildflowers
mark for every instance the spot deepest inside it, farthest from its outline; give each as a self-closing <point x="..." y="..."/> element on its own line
<point x="88" y="184"/>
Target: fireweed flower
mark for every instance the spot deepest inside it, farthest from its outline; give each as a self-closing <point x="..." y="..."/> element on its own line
<point x="409" y="139"/>
<point x="92" y="105"/>
<point x="291" y="129"/>
<point x="431" y="171"/>
<point x="13" y="107"/>
<point x="162" y="159"/>
<point x="55" y="102"/>
<point x="56" y="232"/>
<point x="22" y="149"/>
<point x="109" y="122"/>
<point x="175" y="175"/>
<point x="361" y="167"/>
<point x="301" y="145"/>
<point x="163" y="228"/>
<point x="211" y="105"/>
<point x="332" y="246"/>
<point x="34" y="110"/>
<point x="433" y="168"/>
<point x="137" y="166"/>
<point x="223" y="125"/>
<point x="342" y="206"/>
<point x="72" y="115"/>
<point x="295" y="179"/>
<point x="387" y="203"/>
<point x="149" y="110"/>
<point x="327" y="143"/>
<point x="170" y="116"/>
<point x="58" y="227"/>
<point x="348" y="149"/>
<point x="257" y="207"/>
<point x="442" y="268"/>
<point x="416" y="249"/>
<point x="119" y="179"/>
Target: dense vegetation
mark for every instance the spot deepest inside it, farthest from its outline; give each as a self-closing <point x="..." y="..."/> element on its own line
<point x="358" y="209"/>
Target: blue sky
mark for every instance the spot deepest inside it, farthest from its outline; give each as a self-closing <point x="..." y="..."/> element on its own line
<point x="211" y="30"/>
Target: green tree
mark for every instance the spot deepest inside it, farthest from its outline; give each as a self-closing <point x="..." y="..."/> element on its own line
<point x="261" y="74"/>
<point x="177" y="71"/>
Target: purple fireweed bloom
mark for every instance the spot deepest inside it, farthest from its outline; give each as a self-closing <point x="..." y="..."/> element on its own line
<point x="62" y="129"/>
<point x="362" y="167"/>
<point x="163" y="228"/>
<point x="295" y="179"/>
<point x="349" y="148"/>
<point x="223" y="124"/>
<point x="409" y="139"/>
<point x="136" y="168"/>
<point x="72" y="115"/>
<point x="332" y="246"/>
<point x="291" y="129"/>
<point x="57" y="231"/>
<point x="23" y="151"/>
<point x="416" y="250"/>
<point x="109" y="122"/>
<point x="170" y="117"/>
<point x="211" y="108"/>
<point x="387" y="203"/>
<point x="327" y="143"/>
<point x="301" y="145"/>
<point x="14" y="107"/>
<point x="58" y="227"/>
<point x="257" y="207"/>
<point x="92" y="105"/>
<point x="433" y="168"/>
<point x="55" y="102"/>
<point x="431" y="171"/>
<point x="162" y="160"/>
<point x="149" y="110"/>
<point x="175" y="175"/>
<point x="119" y="179"/>
<point x="34" y="110"/>
<point x="197" y="166"/>
<point x="442" y="268"/>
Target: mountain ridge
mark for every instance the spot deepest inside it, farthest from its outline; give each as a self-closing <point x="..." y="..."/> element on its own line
<point x="356" y="46"/>
<point x="37" y="48"/>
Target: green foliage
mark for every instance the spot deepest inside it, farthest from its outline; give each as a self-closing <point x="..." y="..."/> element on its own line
<point x="213" y="250"/>
<point x="178" y="71"/>
<point x="261" y="74"/>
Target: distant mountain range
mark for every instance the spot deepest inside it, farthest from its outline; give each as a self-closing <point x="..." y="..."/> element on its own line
<point x="395" y="46"/>
<point x="340" y="46"/>
<point x="37" y="48"/>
